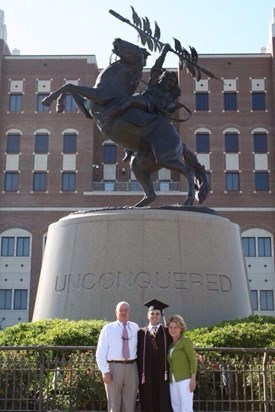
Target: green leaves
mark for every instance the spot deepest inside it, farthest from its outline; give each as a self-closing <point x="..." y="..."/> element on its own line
<point x="251" y="332"/>
<point x="53" y="332"/>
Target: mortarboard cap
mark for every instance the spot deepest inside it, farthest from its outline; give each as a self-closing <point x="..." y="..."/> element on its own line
<point x="156" y="305"/>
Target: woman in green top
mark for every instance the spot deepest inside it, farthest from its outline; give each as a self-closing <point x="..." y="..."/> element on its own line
<point x="182" y="366"/>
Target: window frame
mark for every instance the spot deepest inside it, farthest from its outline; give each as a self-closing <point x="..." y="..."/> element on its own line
<point x="231" y="143"/>
<point x="260" y="146"/>
<point x="15" y="102"/>
<point x="202" y="142"/>
<point x="232" y="181"/>
<point x="41" y="143"/>
<point x="202" y="101"/>
<point x="230" y="101"/>
<point x="260" y="184"/>
<point x="22" y="296"/>
<point x="249" y="246"/>
<point x="8" y="249"/>
<point x="40" y="181"/>
<point x="5" y="299"/>
<point x="68" y="183"/>
<point x="266" y="298"/>
<point x="11" y="182"/>
<point x="13" y="143"/>
<point x="109" y="153"/>
<point x="258" y="101"/>
<point x="41" y="108"/>
<point x="70" y="143"/>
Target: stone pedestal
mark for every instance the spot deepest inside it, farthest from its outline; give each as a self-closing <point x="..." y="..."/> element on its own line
<point x="190" y="260"/>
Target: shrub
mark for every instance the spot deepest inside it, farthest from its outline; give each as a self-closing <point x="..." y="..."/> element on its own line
<point x="61" y="332"/>
<point x="251" y="332"/>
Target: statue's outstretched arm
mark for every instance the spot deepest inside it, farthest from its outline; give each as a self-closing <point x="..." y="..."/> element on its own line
<point x="156" y="70"/>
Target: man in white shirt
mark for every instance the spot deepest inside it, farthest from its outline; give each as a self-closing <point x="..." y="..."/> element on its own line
<point x="116" y="358"/>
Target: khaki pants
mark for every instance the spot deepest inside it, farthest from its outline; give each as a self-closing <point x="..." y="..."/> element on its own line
<point x="122" y="391"/>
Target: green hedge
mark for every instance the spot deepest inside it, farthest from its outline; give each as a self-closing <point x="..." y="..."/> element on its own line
<point x="252" y="332"/>
<point x="61" y="332"/>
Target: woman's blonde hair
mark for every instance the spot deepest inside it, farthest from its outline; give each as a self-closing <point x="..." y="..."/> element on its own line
<point x="179" y="321"/>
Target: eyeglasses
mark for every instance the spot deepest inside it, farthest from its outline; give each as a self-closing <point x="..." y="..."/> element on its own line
<point x="130" y="335"/>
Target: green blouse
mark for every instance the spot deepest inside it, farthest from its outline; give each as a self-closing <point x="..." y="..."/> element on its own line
<point x="182" y="360"/>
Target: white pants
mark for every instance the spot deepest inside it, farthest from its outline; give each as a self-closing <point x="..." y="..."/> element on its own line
<point x="181" y="397"/>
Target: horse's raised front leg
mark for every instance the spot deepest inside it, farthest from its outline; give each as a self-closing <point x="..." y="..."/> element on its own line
<point x="47" y="101"/>
<point x="140" y="168"/>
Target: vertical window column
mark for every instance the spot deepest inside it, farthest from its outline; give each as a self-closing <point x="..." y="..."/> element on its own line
<point x="232" y="167"/>
<point x="260" y="153"/>
<point x="201" y="95"/>
<point x="69" y="169"/>
<point x="16" y="95"/>
<point x="109" y="165"/>
<point x="230" y="95"/>
<point x="258" y="92"/>
<point x="40" y="167"/>
<point x="12" y="161"/>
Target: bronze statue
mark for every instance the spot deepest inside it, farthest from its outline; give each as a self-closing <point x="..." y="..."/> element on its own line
<point x="141" y="123"/>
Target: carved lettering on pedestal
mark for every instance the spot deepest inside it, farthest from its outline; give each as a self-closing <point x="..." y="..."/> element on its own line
<point x="178" y="281"/>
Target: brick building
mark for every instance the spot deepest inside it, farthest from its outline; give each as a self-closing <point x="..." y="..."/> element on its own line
<point x="53" y="164"/>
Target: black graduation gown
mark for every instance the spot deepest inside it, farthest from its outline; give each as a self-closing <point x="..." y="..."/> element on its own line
<point x="154" y="393"/>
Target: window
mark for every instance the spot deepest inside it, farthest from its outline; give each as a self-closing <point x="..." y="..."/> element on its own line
<point x="201" y="101"/>
<point x="254" y="299"/>
<point x="261" y="182"/>
<point x="13" y="143"/>
<point x="109" y="153"/>
<point x="232" y="181"/>
<point x="258" y="101"/>
<point x="266" y="300"/>
<point x="264" y="246"/>
<point x="41" y="143"/>
<point x="11" y="182"/>
<point x="230" y="101"/>
<point x="23" y="246"/>
<point x="249" y="246"/>
<point x="231" y="142"/>
<point x="260" y="142"/>
<point x="109" y="186"/>
<point x="5" y="298"/>
<point x="15" y="103"/>
<point x="68" y="181"/>
<point x="202" y="142"/>
<point x="40" y="182"/>
<point x="20" y="299"/>
<point x="69" y="143"/>
<point x="135" y="186"/>
<point x="7" y="246"/>
<point x="70" y="105"/>
<point x="39" y="106"/>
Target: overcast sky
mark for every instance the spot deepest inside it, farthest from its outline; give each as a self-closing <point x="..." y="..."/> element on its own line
<point x="86" y="26"/>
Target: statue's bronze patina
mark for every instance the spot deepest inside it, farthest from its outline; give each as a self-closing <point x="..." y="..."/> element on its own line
<point x="141" y="123"/>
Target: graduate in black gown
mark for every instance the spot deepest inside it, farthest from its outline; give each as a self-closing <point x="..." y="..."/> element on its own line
<point x="153" y="343"/>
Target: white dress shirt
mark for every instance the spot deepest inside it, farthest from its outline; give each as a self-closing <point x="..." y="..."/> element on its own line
<point x="109" y="346"/>
<point x="151" y="327"/>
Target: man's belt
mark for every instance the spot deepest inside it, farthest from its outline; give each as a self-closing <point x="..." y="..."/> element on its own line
<point x="126" y="362"/>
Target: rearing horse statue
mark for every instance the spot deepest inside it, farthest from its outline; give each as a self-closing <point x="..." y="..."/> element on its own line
<point x="149" y="137"/>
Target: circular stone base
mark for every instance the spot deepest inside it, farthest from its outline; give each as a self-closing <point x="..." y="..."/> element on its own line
<point x="189" y="259"/>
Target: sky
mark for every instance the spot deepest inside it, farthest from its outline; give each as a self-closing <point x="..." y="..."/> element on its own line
<point x="85" y="27"/>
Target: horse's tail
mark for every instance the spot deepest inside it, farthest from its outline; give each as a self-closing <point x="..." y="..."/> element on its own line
<point x="201" y="182"/>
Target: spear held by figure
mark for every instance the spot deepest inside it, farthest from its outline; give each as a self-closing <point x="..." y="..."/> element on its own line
<point x="188" y="60"/>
